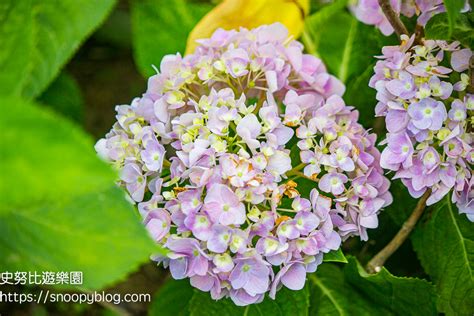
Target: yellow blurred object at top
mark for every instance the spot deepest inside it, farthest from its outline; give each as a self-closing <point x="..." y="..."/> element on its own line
<point x="233" y="14"/>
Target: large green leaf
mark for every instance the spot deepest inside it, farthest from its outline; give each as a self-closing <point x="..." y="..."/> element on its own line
<point x="330" y="291"/>
<point x="162" y="27"/>
<point x="177" y="297"/>
<point x="316" y="22"/>
<point x="15" y="44"/>
<point x="39" y="36"/>
<point x="65" y="97"/>
<point x="59" y="207"/>
<point x="402" y="296"/>
<point x="361" y="96"/>
<point x="453" y="7"/>
<point x="463" y="30"/>
<point x="347" y="48"/>
<point x="287" y="302"/>
<point x="337" y="46"/>
<point x="353" y="292"/>
<point x="345" y="45"/>
<point x="331" y="294"/>
<point x="172" y="299"/>
<point x="444" y="242"/>
<point x="203" y="304"/>
<point x="335" y="256"/>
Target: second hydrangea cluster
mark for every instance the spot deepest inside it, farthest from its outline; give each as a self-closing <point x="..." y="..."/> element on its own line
<point x="369" y="11"/>
<point x="246" y="164"/>
<point x="430" y="144"/>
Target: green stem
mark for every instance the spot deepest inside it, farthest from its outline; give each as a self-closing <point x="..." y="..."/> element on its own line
<point x="295" y="170"/>
<point x="286" y="210"/>
<point x="166" y="163"/>
<point x="302" y="175"/>
<point x="308" y="43"/>
<point x="261" y="99"/>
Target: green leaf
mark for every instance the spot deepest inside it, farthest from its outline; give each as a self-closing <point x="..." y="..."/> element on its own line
<point x="463" y="28"/>
<point x="162" y="27"/>
<point x="453" y="7"/>
<point x="335" y="256"/>
<point x="59" y="207"/>
<point x="64" y="96"/>
<point x="203" y="304"/>
<point x="287" y="302"/>
<point x="402" y="296"/>
<point x="352" y="291"/>
<point x="15" y="45"/>
<point x="347" y="48"/>
<point x="337" y="53"/>
<point x="361" y="96"/>
<point x="116" y="31"/>
<point x="331" y="294"/>
<point x="39" y="37"/>
<point x="444" y="242"/>
<point x="320" y="20"/>
<point x="172" y="299"/>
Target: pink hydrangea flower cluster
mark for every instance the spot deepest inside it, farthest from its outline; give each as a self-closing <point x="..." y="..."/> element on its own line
<point x="430" y="140"/>
<point x="213" y="153"/>
<point x="369" y="11"/>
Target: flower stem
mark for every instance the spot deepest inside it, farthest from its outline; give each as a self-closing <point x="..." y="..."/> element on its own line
<point x="377" y="262"/>
<point x="308" y="43"/>
<point x="393" y="18"/>
<point x="286" y="210"/>
<point x="295" y="170"/>
<point x="166" y="163"/>
<point x="419" y="34"/>
<point x="300" y="174"/>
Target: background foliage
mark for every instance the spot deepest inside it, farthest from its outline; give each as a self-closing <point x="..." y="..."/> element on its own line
<point x="65" y="64"/>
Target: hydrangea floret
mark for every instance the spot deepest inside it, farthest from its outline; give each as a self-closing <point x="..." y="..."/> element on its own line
<point x="370" y="12"/>
<point x="246" y="164"/>
<point x="430" y="139"/>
